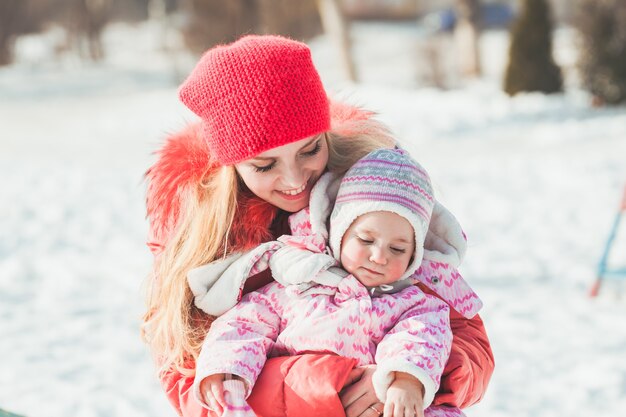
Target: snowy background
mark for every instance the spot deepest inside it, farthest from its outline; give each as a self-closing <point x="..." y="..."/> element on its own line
<point x="535" y="180"/>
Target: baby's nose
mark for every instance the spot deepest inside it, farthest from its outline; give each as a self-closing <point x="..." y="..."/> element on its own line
<point x="377" y="256"/>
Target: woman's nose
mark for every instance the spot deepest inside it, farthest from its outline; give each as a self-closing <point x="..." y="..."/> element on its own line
<point x="293" y="175"/>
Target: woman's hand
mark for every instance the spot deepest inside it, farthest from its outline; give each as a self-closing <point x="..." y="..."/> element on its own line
<point x="212" y="390"/>
<point x="405" y="397"/>
<point x="357" y="395"/>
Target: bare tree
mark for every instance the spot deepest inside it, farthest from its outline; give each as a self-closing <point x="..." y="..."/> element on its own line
<point x="210" y="22"/>
<point x="85" y="20"/>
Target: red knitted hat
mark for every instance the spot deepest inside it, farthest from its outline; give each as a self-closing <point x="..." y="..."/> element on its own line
<point x="255" y="94"/>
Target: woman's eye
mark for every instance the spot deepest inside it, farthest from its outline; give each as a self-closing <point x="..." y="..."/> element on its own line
<point x="315" y="150"/>
<point x="265" y="168"/>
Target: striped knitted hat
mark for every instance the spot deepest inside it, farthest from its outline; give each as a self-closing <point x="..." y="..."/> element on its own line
<point x="384" y="180"/>
<point x="255" y="94"/>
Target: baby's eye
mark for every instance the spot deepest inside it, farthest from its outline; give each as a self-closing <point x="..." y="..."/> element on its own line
<point x="365" y="240"/>
<point x="398" y="250"/>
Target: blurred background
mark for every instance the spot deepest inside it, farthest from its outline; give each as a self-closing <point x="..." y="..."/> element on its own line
<point x="516" y="108"/>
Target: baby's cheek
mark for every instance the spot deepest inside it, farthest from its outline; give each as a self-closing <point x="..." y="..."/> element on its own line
<point x="352" y="257"/>
<point x="397" y="269"/>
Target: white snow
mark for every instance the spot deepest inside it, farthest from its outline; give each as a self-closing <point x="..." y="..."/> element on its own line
<point x="535" y="180"/>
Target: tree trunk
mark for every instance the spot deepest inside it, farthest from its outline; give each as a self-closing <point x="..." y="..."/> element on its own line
<point x="337" y="28"/>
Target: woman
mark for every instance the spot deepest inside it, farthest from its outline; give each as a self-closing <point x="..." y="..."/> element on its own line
<point x="227" y="184"/>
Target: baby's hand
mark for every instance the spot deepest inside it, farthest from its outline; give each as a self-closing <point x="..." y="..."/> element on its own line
<point x="405" y="397"/>
<point x="212" y="390"/>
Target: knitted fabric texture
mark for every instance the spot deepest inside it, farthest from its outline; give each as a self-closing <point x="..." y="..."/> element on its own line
<point x="384" y="180"/>
<point x="235" y="396"/>
<point x="255" y="94"/>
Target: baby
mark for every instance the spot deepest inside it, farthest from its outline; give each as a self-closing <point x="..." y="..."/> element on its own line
<point x="371" y="312"/>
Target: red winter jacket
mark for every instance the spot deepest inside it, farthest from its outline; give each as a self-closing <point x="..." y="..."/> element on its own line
<point x="280" y="389"/>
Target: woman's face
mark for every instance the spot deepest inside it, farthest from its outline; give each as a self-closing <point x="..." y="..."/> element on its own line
<point x="284" y="176"/>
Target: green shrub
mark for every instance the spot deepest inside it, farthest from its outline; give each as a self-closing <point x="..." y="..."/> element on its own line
<point x="602" y="59"/>
<point x="531" y="66"/>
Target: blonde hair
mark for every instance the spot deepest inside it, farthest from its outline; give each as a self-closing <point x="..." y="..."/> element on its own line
<point x="173" y="327"/>
<point x="344" y="151"/>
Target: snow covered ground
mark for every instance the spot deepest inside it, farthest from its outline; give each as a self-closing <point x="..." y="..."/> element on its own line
<point x="535" y="180"/>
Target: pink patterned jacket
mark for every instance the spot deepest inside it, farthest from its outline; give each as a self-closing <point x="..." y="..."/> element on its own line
<point x="406" y="331"/>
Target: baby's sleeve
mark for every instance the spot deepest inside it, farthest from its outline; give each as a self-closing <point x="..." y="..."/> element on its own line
<point x="419" y="344"/>
<point x="240" y="340"/>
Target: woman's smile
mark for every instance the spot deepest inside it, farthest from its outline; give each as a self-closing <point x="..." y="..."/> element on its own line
<point x="296" y="192"/>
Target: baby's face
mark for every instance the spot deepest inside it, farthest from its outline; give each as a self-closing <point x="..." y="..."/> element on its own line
<point x="377" y="248"/>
